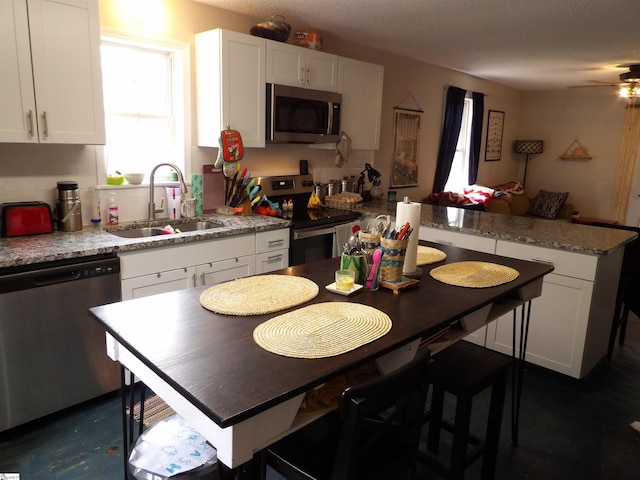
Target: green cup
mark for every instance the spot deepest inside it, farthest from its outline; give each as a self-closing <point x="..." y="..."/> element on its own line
<point x="356" y="263"/>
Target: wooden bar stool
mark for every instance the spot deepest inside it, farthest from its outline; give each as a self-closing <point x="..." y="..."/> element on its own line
<point x="464" y="370"/>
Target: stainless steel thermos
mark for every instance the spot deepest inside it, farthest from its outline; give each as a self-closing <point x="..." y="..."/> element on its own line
<point x="68" y="207"/>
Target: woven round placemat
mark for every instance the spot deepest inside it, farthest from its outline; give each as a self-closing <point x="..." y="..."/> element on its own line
<point x="474" y="274"/>
<point x="322" y="330"/>
<point x="258" y="295"/>
<point x="427" y="255"/>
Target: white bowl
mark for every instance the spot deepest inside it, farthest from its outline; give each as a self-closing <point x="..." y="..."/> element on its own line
<point x="134" y="178"/>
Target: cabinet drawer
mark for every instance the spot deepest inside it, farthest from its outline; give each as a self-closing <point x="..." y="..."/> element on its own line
<point x="570" y="264"/>
<point x="145" y="262"/>
<point x="272" y="240"/>
<point x="457" y="239"/>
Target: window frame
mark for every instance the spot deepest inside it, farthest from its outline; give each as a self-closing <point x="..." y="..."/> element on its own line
<point x="182" y="81"/>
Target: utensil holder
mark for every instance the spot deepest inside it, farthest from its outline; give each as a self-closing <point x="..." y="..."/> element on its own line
<point x="356" y="263"/>
<point x="392" y="261"/>
<point x="370" y="241"/>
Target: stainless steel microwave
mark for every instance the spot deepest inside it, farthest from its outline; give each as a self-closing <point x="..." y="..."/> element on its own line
<point x="300" y="115"/>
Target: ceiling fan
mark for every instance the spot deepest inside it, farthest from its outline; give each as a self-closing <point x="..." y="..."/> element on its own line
<point x="629" y="84"/>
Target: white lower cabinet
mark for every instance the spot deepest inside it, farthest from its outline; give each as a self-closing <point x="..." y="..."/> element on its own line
<point x="557" y="329"/>
<point x="570" y="320"/>
<point x="160" y="282"/>
<point x="174" y="267"/>
<point x="225" y="270"/>
<point x="272" y="250"/>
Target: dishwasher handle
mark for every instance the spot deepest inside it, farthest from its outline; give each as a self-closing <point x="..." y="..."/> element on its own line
<point x="59" y="277"/>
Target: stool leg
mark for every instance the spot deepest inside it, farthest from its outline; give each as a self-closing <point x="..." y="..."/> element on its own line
<point x="461" y="436"/>
<point x="435" y="421"/>
<point x="492" y="438"/>
<point x="623" y="326"/>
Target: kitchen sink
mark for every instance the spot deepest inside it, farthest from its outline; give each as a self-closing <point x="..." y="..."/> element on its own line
<point x="142" y="232"/>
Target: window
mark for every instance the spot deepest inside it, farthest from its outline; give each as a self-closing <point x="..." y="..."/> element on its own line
<point x="146" y="99"/>
<point x="459" y="175"/>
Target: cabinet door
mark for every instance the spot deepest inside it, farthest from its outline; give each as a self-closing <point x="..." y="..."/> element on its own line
<point x="361" y="86"/>
<point x="321" y="70"/>
<point x="225" y="270"/>
<point x="457" y="239"/>
<point x="65" y="51"/>
<point x="285" y="64"/>
<point x="161" y="282"/>
<point x="557" y="329"/>
<point x="270" y="261"/>
<point x="301" y="67"/>
<point x="230" y="86"/>
<point x="17" y="101"/>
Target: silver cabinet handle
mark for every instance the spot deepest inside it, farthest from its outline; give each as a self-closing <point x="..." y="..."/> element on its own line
<point x="45" y="124"/>
<point x="302" y="75"/>
<point x="272" y="258"/>
<point x="273" y="243"/>
<point x="30" y="118"/>
<point x="542" y="260"/>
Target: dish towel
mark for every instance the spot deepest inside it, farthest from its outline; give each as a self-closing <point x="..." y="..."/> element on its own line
<point x="342" y="236"/>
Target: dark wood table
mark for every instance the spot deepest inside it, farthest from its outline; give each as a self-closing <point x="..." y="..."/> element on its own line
<point x="208" y="368"/>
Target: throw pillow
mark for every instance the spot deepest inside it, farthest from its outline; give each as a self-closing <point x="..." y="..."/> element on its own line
<point x="547" y="204"/>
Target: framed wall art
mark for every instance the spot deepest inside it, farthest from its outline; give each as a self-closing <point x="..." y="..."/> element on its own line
<point x="495" y="127"/>
<point x="406" y="140"/>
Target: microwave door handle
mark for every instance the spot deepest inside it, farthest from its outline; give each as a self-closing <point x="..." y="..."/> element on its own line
<point x="330" y="126"/>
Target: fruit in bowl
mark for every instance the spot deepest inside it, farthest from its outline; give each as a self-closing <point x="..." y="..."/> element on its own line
<point x="134" y="178"/>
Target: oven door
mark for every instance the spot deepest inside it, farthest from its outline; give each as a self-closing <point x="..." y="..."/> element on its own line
<point x="310" y="244"/>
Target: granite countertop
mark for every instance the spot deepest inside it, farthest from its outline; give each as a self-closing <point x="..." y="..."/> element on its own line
<point x="529" y="230"/>
<point x="95" y="241"/>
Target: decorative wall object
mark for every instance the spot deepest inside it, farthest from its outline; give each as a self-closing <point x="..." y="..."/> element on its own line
<point x="406" y="141"/>
<point x="575" y="151"/>
<point x="495" y="127"/>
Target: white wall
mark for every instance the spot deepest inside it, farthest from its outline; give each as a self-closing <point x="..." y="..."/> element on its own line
<point x="596" y="117"/>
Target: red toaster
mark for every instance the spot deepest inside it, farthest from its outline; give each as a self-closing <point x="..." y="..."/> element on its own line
<point x="25" y="218"/>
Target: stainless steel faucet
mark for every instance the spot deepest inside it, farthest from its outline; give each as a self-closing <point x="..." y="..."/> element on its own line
<point x="152" y="204"/>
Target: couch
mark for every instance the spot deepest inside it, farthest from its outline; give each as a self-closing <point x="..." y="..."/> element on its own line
<point x="507" y="199"/>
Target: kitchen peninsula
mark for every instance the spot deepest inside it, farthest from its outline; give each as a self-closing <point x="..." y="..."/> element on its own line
<point x="571" y="320"/>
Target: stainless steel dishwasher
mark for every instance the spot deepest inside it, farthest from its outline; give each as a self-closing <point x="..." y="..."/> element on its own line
<point x="52" y="354"/>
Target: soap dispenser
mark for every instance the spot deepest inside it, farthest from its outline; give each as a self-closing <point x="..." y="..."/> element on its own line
<point x="113" y="210"/>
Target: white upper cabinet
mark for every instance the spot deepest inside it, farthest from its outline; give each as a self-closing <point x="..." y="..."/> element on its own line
<point x="51" y="82"/>
<point x="360" y="84"/>
<point x="230" y="86"/>
<point x="301" y="67"/>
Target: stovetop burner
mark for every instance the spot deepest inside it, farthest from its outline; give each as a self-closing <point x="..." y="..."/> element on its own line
<point x="298" y="189"/>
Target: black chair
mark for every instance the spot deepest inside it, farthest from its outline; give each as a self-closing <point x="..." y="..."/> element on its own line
<point x="628" y="287"/>
<point x="373" y="435"/>
<point x="464" y="370"/>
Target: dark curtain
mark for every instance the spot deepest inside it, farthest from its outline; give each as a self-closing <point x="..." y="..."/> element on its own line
<point x="449" y="139"/>
<point x="476" y="135"/>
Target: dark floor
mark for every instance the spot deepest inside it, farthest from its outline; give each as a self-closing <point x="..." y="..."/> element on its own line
<point x="577" y="430"/>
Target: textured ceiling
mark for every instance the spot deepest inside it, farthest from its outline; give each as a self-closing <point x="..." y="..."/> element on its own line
<point x="526" y="44"/>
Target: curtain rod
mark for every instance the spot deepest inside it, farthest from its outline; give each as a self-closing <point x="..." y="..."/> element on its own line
<point x="447" y="86"/>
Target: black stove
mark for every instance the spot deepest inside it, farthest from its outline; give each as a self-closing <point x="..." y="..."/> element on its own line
<point x="313" y="233"/>
<point x="296" y="191"/>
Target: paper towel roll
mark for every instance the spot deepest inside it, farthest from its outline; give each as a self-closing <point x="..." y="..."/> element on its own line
<point x="409" y="212"/>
